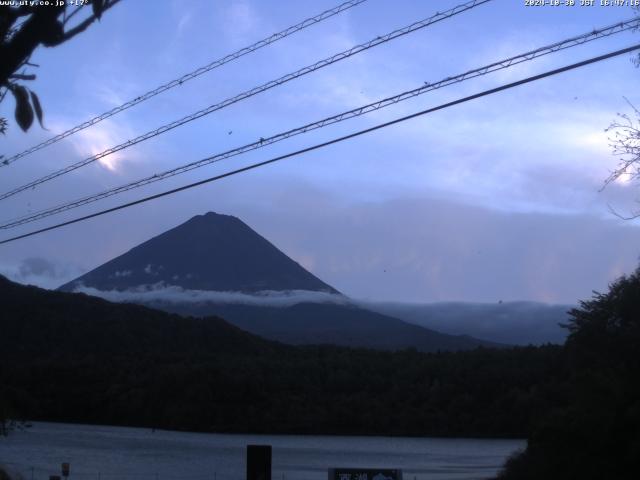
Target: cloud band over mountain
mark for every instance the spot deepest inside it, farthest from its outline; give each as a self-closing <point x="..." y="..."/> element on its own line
<point x="160" y="292"/>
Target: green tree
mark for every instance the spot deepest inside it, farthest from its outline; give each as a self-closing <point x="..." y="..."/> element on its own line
<point x="596" y="434"/>
<point x="23" y="29"/>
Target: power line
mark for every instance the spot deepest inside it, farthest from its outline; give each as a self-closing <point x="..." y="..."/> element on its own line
<point x="331" y="142"/>
<point x="500" y="65"/>
<point x="189" y="76"/>
<point x="254" y="91"/>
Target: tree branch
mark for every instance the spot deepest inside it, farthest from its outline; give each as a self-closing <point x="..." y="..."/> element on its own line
<point x="20" y="76"/>
<point x="622" y="217"/>
<point x="82" y="26"/>
<point x="71" y="15"/>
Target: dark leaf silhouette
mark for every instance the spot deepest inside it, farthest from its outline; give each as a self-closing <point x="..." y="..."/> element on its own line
<point x="20" y="37"/>
<point x="52" y="33"/>
<point x="37" y="107"/>
<point x="24" y="112"/>
<point x="98" y="7"/>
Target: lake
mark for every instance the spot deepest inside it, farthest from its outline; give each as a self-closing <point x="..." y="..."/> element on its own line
<point x="119" y="453"/>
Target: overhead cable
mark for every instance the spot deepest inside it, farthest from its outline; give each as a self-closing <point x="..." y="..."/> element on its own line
<point x="188" y="76"/>
<point x="330" y="142"/>
<point x="254" y="91"/>
<point x="380" y="104"/>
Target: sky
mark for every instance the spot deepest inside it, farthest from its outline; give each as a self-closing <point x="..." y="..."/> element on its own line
<point x="497" y="199"/>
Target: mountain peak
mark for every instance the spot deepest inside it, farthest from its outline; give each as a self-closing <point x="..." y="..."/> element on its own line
<point x="213" y="217"/>
<point x="208" y="252"/>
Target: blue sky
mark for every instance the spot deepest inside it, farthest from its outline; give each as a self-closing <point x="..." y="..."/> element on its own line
<point x="495" y="199"/>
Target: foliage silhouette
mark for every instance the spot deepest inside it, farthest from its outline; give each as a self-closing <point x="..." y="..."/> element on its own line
<point x="74" y="358"/>
<point x="24" y="28"/>
<point x="596" y="433"/>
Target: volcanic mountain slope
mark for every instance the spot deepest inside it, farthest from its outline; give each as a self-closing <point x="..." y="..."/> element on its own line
<point x="328" y="324"/>
<point x="209" y="252"/>
<point x="216" y="265"/>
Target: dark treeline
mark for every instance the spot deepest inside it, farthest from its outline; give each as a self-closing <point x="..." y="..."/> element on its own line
<point x="310" y="390"/>
<point x="594" y="433"/>
<point x="74" y="358"/>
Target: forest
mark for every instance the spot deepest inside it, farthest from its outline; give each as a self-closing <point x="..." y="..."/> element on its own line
<point x="73" y="358"/>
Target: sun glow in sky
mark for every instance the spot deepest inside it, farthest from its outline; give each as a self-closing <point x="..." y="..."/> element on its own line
<point x="97" y="140"/>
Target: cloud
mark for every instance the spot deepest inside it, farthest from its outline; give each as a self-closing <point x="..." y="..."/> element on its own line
<point x="183" y="23"/>
<point x="37" y="266"/>
<point x="240" y="20"/>
<point x="426" y="249"/>
<point x="519" y="323"/>
<point x="110" y="95"/>
<point x="39" y="271"/>
<point x="98" y="138"/>
<point x="161" y="292"/>
<point x="511" y="161"/>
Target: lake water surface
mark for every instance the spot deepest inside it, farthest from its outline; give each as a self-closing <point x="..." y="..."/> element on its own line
<point x="119" y="453"/>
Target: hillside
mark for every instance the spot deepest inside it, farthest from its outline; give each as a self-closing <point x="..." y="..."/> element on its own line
<point x="216" y="265"/>
<point x="330" y="324"/>
<point x="43" y="323"/>
<point x="69" y="357"/>
<point x="511" y="323"/>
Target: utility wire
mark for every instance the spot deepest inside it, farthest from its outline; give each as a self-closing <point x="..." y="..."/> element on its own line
<point x="331" y="142"/>
<point x="500" y="65"/>
<point x="256" y="90"/>
<point x="189" y="76"/>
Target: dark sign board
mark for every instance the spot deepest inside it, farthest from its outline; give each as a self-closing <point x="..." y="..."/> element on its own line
<point x="258" y="462"/>
<point x="364" y="474"/>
